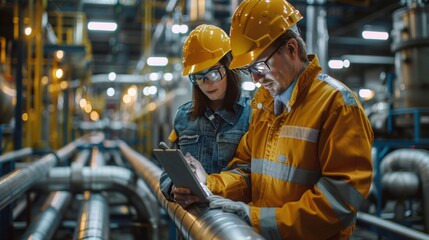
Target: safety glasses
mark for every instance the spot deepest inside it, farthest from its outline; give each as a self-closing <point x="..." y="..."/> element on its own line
<point x="262" y="68"/>
<point x="214" y="74"/>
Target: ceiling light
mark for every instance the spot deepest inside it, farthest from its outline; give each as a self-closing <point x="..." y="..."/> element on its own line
<point x="157" y="61"/>
<point x="336" y="64"/>
<point x="102" y="26"/>
<point x="375" y="35"/>
<point x="179" y="28"/>
<point x="101" y="2"/>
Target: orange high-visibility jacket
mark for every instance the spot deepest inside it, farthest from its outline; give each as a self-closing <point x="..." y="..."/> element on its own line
<point x="310" y="166"/>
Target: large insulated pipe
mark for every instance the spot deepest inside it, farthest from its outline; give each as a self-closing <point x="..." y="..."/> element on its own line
<point x="106" y="178"/>
<point x="16" y="183"/>
<point x="415" y="160"/>
<point x="197" y="222"/>
<point x="45" y="224"/>
<point x="94" y="218"/>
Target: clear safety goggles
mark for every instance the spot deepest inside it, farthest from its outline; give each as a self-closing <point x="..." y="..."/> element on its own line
<point x="262" y="68"/>
<point x="214" y="74"/>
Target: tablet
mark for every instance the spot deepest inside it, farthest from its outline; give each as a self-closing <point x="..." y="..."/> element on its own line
<point x="180" y="173"/>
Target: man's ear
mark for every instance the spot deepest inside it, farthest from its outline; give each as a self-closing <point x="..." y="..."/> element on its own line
<point x="292" y="46"/>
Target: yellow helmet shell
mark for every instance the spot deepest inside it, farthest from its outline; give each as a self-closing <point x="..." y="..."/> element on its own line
<point x="255" y="25"/>
<point x="203" y="48"/>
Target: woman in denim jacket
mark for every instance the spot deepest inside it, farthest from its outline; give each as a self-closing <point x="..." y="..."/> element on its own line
<point x="211" y="126"/>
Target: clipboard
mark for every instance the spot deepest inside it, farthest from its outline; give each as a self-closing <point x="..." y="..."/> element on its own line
<point x="180" y="173"/>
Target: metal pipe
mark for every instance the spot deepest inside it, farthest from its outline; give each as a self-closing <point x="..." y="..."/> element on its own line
<point x="94" y="218"/>
<point x="391" y="227"/>
<point x="16" y="183"/>
<point x="416" y="160"/>
<point x="44" y="225"/>
<point x="18" y="154"/>
<point x="106" y="178"/>
<point x="197" y="222"/>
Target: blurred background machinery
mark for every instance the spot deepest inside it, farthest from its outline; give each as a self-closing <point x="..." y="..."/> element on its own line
<point x="88" y="89"/>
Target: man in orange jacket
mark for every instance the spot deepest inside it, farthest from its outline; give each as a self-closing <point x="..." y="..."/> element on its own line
<point x="304" y="166"/>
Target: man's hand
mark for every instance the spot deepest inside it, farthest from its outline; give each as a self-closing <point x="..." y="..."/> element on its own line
<point x="197" y="168"/>
<point x="227" y="205"/>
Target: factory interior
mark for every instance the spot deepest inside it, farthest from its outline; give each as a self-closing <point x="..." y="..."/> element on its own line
<point x="82" y="108"/>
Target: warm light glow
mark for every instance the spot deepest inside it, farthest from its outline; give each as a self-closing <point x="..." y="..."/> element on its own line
<point x="24" y="117"/>
<point x="59" y="73"/>
<point x="126" y="98"/>
<point x="59" y="54"/>
<point x="102" y="26"/>
<point x="375" y="35"/>
<point x="45" y="80"/>
<point x="94" y="116"/>
<point x="151" y="106"/>
<point x="82" y="103"/>
<point x="63" y="85"/>
<point x="28" y="31"/>
<point x="157" y="61"/>
<point x="132" y="91"/>
<point x="88" y="108"/>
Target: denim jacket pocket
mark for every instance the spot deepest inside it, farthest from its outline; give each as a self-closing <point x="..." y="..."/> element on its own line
<point x="190" y="144"/>
<point x="228" y="142"/>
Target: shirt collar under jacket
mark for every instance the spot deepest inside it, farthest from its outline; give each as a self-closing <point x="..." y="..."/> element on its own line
<point x="263" y="99"/>
<point x="284" y="97"/>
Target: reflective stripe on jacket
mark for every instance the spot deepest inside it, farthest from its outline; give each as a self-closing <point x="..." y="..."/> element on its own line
<point x="311" y="166"/>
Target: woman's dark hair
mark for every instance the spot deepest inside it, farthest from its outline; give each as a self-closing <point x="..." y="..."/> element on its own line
<point x="232" y="95"/>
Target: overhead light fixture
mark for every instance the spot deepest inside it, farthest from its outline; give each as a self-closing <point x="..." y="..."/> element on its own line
<point x="102" y="26"/>
<point x="336" y="64"/>
<point x="179" y="28"/>
<point x="157" y="61"/>
<point x="101" y="2"/>
<point x="375" y="35"/>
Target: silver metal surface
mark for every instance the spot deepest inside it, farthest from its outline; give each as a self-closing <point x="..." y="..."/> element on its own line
<point x="16" y="183"/>
<point x="94" y="218"/>
<point x="411" y="46"/>
<point x="45" y="224"/>
<point x="416" y="160"/>
<point x="198" y="222"/>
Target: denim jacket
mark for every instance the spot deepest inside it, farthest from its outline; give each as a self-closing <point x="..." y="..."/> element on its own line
<point x="211" y="139"/>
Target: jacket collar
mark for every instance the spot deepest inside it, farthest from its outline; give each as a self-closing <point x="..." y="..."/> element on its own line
<point x="227" y="116"/>
<point x="263" y="99"/>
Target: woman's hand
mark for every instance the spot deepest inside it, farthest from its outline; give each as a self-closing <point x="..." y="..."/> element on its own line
<point x="184" y="197"/>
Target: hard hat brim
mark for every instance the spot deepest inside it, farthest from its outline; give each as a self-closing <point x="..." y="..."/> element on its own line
<point x="245" y="59"/>
<point x="200" y="66"/>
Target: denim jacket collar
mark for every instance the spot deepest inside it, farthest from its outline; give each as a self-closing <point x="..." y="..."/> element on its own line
<point x="227" y="116"/>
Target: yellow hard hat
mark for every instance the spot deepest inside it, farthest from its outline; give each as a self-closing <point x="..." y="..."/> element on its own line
<point x="203" y="48"/>
<point x="256" y="24"/>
